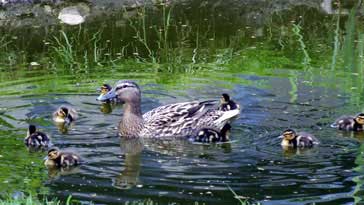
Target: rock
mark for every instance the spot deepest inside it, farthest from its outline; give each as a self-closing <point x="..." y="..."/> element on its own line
<point x="71" y="15"/>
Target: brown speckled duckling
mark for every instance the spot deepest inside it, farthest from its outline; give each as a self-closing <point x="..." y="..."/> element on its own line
<point x="227" y="103"/>
<point x="56" y="158"/>
<point x="300" y="139"/>
<point x="36" y="138"/>
<point x="350" y="123"/>
<point x="207" y="135"/>
<point x="65" y="114"/>
<point x="105" y="88"/>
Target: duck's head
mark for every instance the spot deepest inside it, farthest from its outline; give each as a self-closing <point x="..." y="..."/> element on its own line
<point x="53" y="154"/>
<point x="31" y="129"/>
<point x="225" y="98"/>
<point x="288" y="134"/>
<point x="124" y="90"/>
<point x="360" y="118"/>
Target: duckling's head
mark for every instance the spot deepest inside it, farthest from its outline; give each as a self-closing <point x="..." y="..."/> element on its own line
<point x="105" y="88"/>
<point x="225" y="98"/>
<point x="62" y="112"/>
<point x="125" y="90"/>
<point x="53" y="154"/>
<point x="289" y="134"/>
<point x="31" y="129"/>
<point x="360" y="118"/>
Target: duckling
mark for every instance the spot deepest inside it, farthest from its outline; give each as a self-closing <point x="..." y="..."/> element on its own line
<point x="350" y="123"/>
<point x="36" y="138"/>
<point x="65" y="114"/>
<point x="105" y="88"/>
<point x="207" y="135"/>
<point x="56" y="158"/>
<point x="227" y="104"/>
<point x="300" y="139"/>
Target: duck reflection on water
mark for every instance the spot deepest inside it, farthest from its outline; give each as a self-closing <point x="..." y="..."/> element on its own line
<point x="131" y="149"/>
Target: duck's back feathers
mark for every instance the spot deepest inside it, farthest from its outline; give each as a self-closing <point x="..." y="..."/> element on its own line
<point x="305" y="139"/>
<point x="182" y="119"/>
<point x="176" y="110"/>
<point x="344" y="123"/>
<point x="37" y="139"/>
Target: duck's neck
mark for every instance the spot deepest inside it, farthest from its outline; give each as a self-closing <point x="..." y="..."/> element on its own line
<point x="132" y="121"/>
<point x="132" y="108"/>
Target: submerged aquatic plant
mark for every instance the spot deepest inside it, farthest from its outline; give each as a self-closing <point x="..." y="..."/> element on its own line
<point x="239" y="198"/>
<point x="297" y="32"/>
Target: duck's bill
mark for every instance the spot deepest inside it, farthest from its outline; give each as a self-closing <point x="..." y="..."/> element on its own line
<point x="280" y="137"/>
<point x="45" y="158"/>
<point x="108" y="96"/>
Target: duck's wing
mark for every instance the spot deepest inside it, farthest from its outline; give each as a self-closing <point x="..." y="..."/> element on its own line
<point x="171" y="119"/>
<point x="170" y="113"/>
<point x="181" y="119"/>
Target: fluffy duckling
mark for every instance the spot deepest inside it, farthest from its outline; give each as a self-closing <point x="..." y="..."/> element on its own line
<point x="56" y="158"/>
<point x="207" y="135"/>
<point x="350" y="123"/>
<point x="300" y="139"/>
<point x="65" y="114"/>
<point x="227" y="104"/>
<point x="36" y="138"/>
<point x="105" y="88"/>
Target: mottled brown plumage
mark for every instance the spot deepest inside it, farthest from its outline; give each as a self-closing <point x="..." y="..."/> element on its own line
<point x="299" y="139"/>
<point x="174" y="120"/>
<point x="64" y="114"/>
<point x="350" y="123"/>
<point x="36" y="138"/>
<point x="56" y="158"/>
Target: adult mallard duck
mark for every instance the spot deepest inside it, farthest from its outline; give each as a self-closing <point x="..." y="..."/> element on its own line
<point x="227" y="104"/>
<point x="36" y="138"/>
<point x="350" y="123"/>
<point x="64" y="114"/>
<point x="56" y="158"/>
<point x="301" y="139"/>
<point x="174" y="120"/>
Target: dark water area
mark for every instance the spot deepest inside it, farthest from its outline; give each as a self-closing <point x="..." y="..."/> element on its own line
<point x="279" y="79"/>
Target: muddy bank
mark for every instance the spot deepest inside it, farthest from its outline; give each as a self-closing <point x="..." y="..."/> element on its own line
<point x="41" y="13"/>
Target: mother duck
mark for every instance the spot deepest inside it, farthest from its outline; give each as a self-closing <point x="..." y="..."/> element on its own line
<point x="173" y="120"/>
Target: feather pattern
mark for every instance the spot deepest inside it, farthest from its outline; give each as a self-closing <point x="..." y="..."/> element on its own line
<point x="181" y="119"/>
<point x="173" y="120"/>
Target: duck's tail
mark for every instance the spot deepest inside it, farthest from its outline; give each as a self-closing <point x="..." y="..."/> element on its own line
<point x="227" y="115"/>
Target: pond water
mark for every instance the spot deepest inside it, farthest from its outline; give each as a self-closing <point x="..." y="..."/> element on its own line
<point x="276" y="83"/>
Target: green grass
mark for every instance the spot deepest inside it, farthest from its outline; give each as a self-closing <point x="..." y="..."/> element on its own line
<point x="30" y="200"/>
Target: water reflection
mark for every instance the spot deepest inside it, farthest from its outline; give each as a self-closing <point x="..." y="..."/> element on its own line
<point x="131" y="149"/>
<point x="106" y="107"/>
<point x="55" y="173"/>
